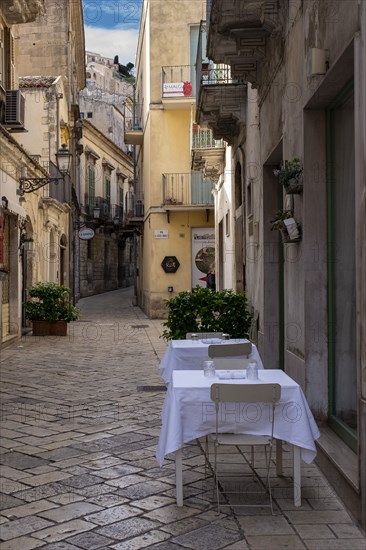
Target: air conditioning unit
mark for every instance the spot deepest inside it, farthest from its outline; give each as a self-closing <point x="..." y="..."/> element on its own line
<point x="14" y="109"/>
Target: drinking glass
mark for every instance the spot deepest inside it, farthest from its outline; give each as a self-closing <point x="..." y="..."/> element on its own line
<point x="208" y="369"/>
<point x="252" y="370"/>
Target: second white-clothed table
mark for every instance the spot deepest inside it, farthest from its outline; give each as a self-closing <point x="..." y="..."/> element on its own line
<point x="188" y="413"/>
<point x="189" y="354"/>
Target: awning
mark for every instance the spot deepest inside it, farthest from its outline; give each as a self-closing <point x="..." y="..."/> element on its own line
<point x="16" y="209"/>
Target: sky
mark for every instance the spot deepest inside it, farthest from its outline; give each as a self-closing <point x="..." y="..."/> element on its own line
<point x="111" y="27"/>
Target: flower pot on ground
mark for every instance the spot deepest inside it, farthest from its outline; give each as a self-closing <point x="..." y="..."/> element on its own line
<point x="287" y="225"/>
<point x="49" y="309"/>
<point x="290" y="175"/>
<point x="49" y="328"/>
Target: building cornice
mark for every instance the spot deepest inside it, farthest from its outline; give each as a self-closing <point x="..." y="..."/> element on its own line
<point x="102" y="140"/>
<point x="16" y="12"/>
<point x="18" y="157"/>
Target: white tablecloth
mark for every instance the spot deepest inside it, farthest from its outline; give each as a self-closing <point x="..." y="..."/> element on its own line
<point x="189" y="413"/>
<point x="189" y="354"/>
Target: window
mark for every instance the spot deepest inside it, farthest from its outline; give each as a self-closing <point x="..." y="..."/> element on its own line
<point x="91" y="185"/>
<point x="120" y="196"/>
<point x="107" y="187"/>
<point x="2" y="58"/>
<point x="7" y="59"/>
<point x="227" y="223"/>
<point x="249" y="206"/>
<point x="89" y="114"/>
<point x="342" y="268"/>
<point x="238" y="185"/>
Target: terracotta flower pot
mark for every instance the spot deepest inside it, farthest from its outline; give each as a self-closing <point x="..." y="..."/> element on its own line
<point x="49" y="328"/>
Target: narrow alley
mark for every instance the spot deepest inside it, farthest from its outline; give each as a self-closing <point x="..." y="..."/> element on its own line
<point x="80" y="421"/>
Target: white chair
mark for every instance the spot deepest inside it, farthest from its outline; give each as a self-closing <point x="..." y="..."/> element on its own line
<point x="204" y="335"/>
<point x="230" y="356"/>
<point x="243" y="393"/>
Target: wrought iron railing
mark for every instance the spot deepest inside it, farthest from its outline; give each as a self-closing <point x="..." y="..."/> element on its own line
<point x="202" y="138"/>
<point x="134" y="205"/>
<point x="116" y="214"/>
<point x="187" y="189"/>
<point x="133" y="123"/>
<point x="99" y="208"/>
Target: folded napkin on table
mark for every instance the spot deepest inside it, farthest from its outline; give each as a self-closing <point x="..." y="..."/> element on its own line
<point x="230" y="374"/>
<point x="211" y="340"/>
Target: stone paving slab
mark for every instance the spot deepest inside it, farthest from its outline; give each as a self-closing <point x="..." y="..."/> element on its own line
<point x="78" y="441"/>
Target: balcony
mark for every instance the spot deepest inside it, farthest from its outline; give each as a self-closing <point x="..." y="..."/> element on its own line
<point x="134" y="133"/>
<point x="178" y="86"/>
<point x="187" y="190"/>
<point x="221" y="101"/>
<point x="134" y="207"/>
<point x="221" y="97"/>
<point x="237" y="34"/>
<point x="208" y="154"/>
<point x="116" y="215"/>
<point x="98" y="209"/>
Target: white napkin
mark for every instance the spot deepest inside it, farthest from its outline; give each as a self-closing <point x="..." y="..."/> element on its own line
<point x="230" y="374"/>
<point x="211" y="340"/>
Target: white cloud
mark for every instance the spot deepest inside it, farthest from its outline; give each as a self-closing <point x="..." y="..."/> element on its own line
<point x="111" y="42"/>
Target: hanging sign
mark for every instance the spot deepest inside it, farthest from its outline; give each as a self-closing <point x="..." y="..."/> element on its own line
<point x="86" y="233"/>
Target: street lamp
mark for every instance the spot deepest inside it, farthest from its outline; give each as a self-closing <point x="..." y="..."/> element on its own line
<point x="29" y="185"/>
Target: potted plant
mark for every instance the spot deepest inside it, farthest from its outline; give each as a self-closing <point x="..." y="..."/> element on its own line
<point x="287" y="225"/>
<point x="206" y="310"/>
<point x="290" y="175"/>
<point x="49" y="309"/>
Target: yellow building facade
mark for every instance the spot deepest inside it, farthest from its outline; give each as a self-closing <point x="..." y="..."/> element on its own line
<point x="176" y="249"/>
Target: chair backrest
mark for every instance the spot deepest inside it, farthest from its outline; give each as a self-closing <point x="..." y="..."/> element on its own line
<point x="230" y="356"/>
<point x="204" y="335"/>
<point x="230" y="350"/>
<point x="246" y="393"/>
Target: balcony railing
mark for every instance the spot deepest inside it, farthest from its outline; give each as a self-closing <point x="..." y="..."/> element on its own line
<point x="99" y="208"/>
<point x="179" y="81"/>
<point x="116" y="214"/>
<point x="212" y="74"/>
<point x="134" y="134"/>
<point x="189" y="189"/>
<point x="202" y="138"/>
<point x="134" y="205"/>
<point x="133" y="123"/>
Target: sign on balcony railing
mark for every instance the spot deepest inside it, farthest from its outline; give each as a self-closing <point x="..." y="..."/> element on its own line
<point x="177" y="89"/>
<point x="178" y="81"/>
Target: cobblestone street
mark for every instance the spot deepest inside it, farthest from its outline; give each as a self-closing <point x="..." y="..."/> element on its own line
<point x="80" y="421"/>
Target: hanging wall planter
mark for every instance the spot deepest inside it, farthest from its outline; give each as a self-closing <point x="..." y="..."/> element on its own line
<point x="290" y="175"/>
<point x="287" y="225"/>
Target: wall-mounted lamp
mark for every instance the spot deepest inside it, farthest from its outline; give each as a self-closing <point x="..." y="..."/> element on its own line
<point x="29" y="185"/>
<point x="4" y="202"/>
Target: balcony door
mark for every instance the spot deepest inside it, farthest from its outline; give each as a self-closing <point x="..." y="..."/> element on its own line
<point x="341" y="267"/>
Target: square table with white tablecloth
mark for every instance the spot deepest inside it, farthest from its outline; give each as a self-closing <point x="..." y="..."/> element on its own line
<point x="189" y="354"/>
<point x="189" y="413"/>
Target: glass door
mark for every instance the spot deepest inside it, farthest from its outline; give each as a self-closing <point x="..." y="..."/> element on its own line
<point x="341" y="268"/>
